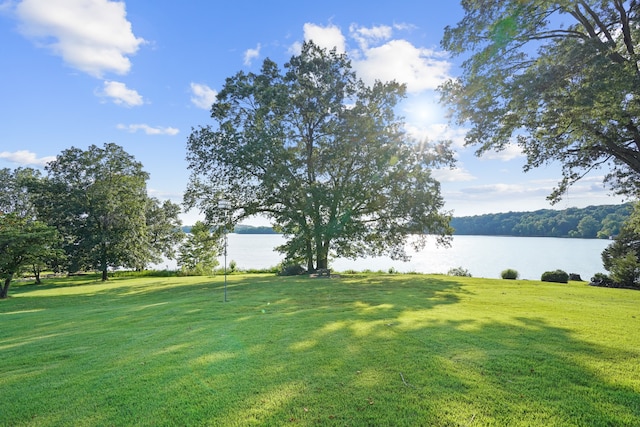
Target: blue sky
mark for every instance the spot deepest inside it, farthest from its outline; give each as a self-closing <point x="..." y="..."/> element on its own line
<point x="141" y="74"/>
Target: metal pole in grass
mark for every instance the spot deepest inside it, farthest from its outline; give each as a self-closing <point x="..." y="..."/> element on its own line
<point x="225" y="205"/>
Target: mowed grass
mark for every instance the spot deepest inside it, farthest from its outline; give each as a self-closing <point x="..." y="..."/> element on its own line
<point x="360" y="350"/>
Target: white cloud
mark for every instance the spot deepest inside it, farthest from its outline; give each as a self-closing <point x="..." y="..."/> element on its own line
<point x="510" y="152"/>
<point x="403" y="26"/>
<point x="380" y="56"/>
<point x="93" y="36"/>
<point x="24" y="157"/>
<point x="251" y="54"/>
<point x="148" y="129"/>
<point x="328" y="37"/>
<point x="203" y="96"/>
<point x="501" y="190"/>
<point x="420" y="68"/>
<point x="365" y="36"/>
<point x="121" y="94"/>
<point x="457" y="174"/>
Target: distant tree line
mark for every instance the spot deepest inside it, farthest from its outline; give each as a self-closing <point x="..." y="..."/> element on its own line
<point x="588" y="223"/>
<point x="243" y="229"/>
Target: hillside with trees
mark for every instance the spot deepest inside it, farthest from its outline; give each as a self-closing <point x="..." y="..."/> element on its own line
<point x="588" y="223"/>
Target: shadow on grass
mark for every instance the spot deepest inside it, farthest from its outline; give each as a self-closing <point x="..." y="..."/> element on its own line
<point x="361" y="350"/>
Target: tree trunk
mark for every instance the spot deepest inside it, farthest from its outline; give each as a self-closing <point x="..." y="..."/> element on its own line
<point x="104" y="266"/>
<point x="322" y="255"/>
<point x="4" y="290"/>
<point x="36" y="273"/>
<point x="309" y="256"/>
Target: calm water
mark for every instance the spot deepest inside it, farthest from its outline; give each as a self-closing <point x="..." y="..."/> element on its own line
<point x="482" y="256"/>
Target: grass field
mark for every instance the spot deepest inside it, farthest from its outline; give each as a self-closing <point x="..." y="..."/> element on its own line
<point x="360" y="350"/>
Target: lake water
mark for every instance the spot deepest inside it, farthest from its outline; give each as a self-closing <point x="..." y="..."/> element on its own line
<point x="482" y="256"/>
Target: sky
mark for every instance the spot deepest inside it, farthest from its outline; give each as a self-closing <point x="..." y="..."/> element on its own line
<point x="142" y="74"/>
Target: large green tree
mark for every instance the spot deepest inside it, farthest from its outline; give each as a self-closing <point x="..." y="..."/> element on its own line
<point x="23" y="242"/>
<point x="97" y="199"/>
<point x="321" y="154"/>
<point x="559" y="78"/>
<point x="198" y="252"/>
<point x="163" y="229"/>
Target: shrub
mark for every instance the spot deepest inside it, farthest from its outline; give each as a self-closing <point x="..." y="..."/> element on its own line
<point x="557" y="276"/>
<point x="198" y="270"/>
<point x="510" y="274"/>
<point x="602" y="280"/>
<point x="233" y="266"/>
<point x="291" y="269"/>
<point x="459" y="271"/>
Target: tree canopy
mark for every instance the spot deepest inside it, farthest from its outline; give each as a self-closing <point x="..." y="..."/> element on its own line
<point x="198" y="252"/>
<point x="323" y="156"/>
<point x="15" y="194"/>
<point x="23" y="242"/>
<point x="559" y="78"/>
<point x="98" y="201"/>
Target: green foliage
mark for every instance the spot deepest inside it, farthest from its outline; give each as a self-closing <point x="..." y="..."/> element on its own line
<point x="145" y="273"/>
<point x="590" y="222"/>
<point x="15" y="194"/>
<point x="558" y="276"/>
<point x="510" y="274"/>
<point x="560" y="78"/>
<point x="197" y="255"/>
<point x="163" y="230"/>
<point x="23" y="243"/>
<point x="603" y="280"/>
<point x="626" y="270"/>
<point x="290" y="269"/>
<point x="376" y="350"/>
<point x="323" y="156"/>
<point x="622" y="257"/>
<point x="459" y="271"/>
<point x="97" y="199"/>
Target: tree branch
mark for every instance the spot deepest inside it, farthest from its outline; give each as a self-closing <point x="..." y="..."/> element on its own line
<point x="598" y="21"/>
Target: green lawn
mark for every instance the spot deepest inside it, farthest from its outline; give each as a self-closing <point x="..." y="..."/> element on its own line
<point x="379" y="350"/>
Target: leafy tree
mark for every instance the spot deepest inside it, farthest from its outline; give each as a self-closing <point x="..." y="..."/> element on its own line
<point x="622" y="257"/>
<point x="164" y="230"/>
<point x="97" y="199"/>
<point x="560" y="78"/>
<point x="15" y="191"/>
<point x="322" y="155"/>
<point x="23" y="242"/>
<point x="197" y="254"/>
<point x="16" y="198"/>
